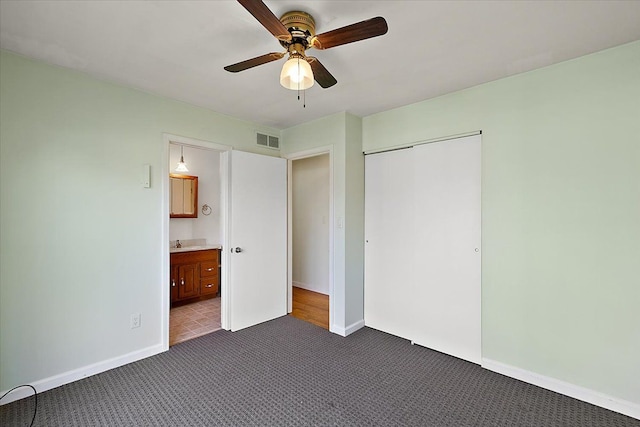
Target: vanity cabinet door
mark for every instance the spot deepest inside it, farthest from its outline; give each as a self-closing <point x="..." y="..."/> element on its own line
<point x="173" y="283"/>
<point x="188" y="281"/>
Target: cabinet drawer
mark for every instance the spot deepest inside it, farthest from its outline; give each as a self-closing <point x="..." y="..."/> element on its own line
<point x="209" y="286"/>
<point x="208" y="268"/>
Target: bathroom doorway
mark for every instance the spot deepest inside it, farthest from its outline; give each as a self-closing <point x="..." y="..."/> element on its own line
<point x="195" y="242"/>
<point x="244" y="300"/>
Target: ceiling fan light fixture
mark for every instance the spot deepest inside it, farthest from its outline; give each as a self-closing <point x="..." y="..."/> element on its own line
<point x="296" y="73"/>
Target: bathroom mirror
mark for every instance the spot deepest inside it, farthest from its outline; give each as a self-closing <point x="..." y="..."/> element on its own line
<point x="183" y="196"/>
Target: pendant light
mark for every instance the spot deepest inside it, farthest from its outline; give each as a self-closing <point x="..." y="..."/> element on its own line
<point x="181" y="166"/>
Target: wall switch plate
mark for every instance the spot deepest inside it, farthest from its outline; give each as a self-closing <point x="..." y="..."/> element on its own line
<point x="135" y="320"/>
<point x="145" y="176"/>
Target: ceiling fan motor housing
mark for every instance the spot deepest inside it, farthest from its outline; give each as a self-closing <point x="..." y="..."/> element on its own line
<point x="302" y="27"/>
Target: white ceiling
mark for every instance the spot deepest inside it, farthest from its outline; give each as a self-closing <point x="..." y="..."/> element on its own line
<point x="178" y="49"/>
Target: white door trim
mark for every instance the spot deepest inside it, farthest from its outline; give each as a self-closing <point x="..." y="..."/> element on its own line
<point x="164" y="241"/>
<point x="328" y="149"/>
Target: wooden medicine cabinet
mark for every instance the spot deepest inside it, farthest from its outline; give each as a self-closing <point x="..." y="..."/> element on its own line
<point x="183" y="196"/>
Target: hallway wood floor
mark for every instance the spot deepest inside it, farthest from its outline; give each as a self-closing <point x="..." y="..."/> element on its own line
<point x="311" y="307"/>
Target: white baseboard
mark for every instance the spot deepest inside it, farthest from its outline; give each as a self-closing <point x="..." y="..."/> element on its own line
<point x="349" y="329"/>
<point x="309" y="287"/>
<point x="586" y="395"/>
<point x="80" y="373"/>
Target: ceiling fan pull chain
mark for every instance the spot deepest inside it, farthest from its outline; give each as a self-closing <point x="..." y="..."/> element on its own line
<point x="298" y="78"/>
<point x="304" y="92"/>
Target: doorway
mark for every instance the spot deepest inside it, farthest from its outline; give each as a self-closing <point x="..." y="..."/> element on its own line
<point x="310" y="238"/>
<point x="253" y="277"/>
<point x="196" y="314"/>
<point x="195" y="241"/>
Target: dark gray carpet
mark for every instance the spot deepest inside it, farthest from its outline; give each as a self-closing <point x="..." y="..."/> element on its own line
<point x="288" y="372"/>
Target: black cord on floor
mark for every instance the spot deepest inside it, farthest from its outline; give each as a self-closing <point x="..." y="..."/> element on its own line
<point x="35" y="394"/>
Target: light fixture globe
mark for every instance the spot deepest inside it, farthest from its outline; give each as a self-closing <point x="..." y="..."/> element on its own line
<point x="296" y="73"/>
<point x="181" y="167"/>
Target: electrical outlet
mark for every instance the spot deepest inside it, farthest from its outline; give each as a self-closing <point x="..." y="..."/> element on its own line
<point x="135" y="320"/>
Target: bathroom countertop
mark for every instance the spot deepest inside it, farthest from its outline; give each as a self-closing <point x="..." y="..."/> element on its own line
<point x="194" y="248"/>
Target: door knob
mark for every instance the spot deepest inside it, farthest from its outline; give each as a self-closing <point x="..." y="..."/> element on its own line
<point x="238" y="250"/>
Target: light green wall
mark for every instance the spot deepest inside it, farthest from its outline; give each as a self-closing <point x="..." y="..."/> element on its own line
<point x="354" y="221"/>
<point x="81" y="239"/>
<point x="560" y="213"/>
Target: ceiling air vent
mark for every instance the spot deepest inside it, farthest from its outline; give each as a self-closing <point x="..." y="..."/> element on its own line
<point x="268" y="141"/>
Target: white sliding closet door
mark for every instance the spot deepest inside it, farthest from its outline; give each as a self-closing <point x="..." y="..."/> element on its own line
<point x="447" y="234"/>
<point x="428" y="289"/>
<point x="388" y="241"/>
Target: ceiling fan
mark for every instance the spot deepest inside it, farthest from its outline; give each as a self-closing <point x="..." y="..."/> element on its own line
<point x="295" y="31"/>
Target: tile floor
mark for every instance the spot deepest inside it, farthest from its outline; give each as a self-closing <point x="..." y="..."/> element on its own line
<point x="193" y="320"/>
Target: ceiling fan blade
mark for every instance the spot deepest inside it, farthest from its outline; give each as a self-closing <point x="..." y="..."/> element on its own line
<point x="254" y="62"/>
<point x="351" y="33"/>
<point x="321" y="74"/>
<point x="263" y="14"/>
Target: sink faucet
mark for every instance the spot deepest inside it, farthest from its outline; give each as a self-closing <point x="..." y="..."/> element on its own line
<point x="178" y="244"/>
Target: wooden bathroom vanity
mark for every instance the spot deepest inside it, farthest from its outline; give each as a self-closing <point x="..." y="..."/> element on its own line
<point x="195" y="275"/>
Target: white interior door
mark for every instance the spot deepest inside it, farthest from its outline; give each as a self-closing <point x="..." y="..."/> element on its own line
<point x="422" y="252"/>
<point x="257" y="239"/>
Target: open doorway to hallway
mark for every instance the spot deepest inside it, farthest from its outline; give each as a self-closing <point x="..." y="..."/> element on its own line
<point x="310" y="231"/>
